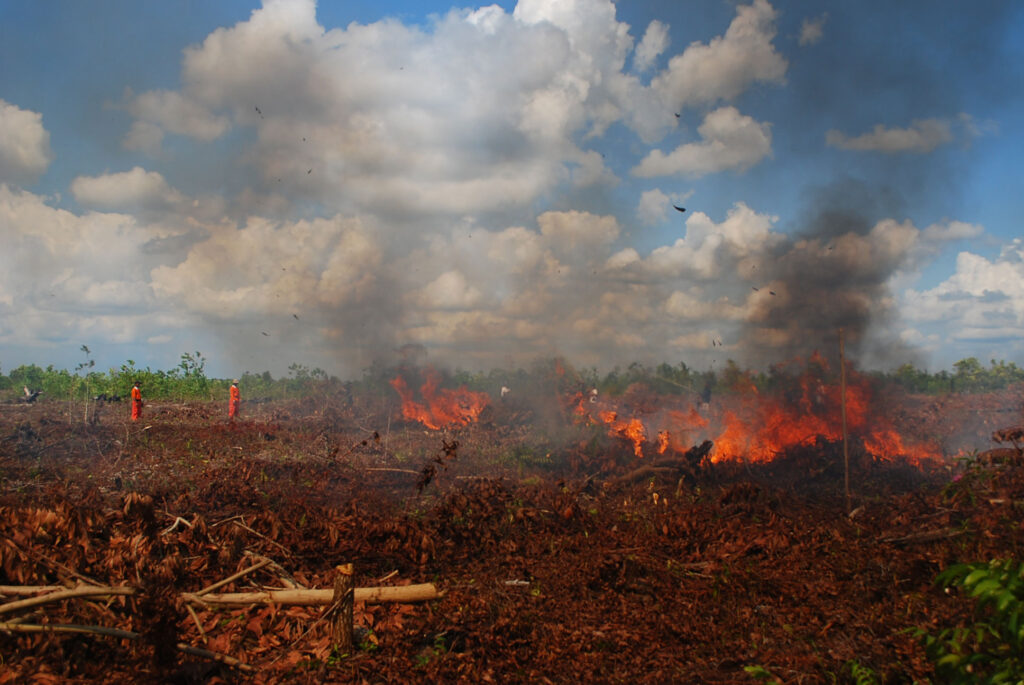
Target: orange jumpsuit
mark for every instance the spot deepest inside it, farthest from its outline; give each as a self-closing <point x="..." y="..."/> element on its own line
<point x="234" y="402"/>
<point x="136" y="403"/>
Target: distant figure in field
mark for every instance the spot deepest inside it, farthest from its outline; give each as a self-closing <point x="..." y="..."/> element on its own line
<point x="235" y="400"/>
<point x="705" y="394"/>
<point x="136" y="402"/>
<point x="31" y="395"/>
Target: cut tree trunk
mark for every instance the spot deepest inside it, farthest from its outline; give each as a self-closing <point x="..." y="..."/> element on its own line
<point x="342" y="602"/>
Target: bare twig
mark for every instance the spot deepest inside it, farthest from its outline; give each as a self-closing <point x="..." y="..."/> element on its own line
<point x="261" y="535"/>
<point x="29" y="589"/>
<point x="229" y="579"/>
<point x="926" y="536"/>
<point x="229" y="519"/>
<point x="124" y="634"/>
<point x="171" y="528"/>
<point x="284" y="576"/>
<point x="199" y="625"/>
<point x="80" y="591"/>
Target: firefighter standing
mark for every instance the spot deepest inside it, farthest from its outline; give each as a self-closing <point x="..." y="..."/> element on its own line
<point x="136" y="402"/>
<point x="235" y="400"/>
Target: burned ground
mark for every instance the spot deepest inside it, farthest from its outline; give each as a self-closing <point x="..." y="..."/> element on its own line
<point x="554" y="566"/>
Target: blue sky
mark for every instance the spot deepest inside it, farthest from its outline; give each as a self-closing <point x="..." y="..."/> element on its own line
<point x="281" y="182"/>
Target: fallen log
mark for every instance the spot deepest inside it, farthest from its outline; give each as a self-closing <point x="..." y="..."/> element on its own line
<point x="421" y="592"/>
<point x="399" y="594"/>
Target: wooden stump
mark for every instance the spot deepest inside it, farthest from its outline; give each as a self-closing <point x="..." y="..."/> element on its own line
<point x="343" y="595"/>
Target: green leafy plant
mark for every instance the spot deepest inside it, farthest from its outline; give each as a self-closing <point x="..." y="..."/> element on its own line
<point x="369" y="642"/>
<point x="438" y="649"/>
<point x="862" y="675"/>
<point x="992" y="649"/>
<point x="762" y="674"/>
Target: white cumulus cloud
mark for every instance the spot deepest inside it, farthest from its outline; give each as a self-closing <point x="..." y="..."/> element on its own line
<point x="730" y="141"/>
<point x="981" y="303"/>
<point x="651" y="46"/>
<point x="135" y="189"/>
<point x="726" y="66"/>
<point x="653" y="206"/>
<point x="24" y="145"/>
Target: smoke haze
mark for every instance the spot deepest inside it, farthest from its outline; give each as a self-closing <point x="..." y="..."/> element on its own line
<point x="497" y="184"/>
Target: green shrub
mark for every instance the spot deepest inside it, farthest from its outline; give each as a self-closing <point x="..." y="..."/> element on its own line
<point x="992" y="649"/>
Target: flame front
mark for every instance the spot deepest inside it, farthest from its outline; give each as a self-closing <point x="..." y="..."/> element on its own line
<point x="589" y="410"/>
<point x="750" y="425"/>
<point x="757" y="428"/>
<point x="441" y="407"/>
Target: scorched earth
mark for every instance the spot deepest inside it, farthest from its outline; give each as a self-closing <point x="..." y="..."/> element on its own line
<point x="564" y="537"/>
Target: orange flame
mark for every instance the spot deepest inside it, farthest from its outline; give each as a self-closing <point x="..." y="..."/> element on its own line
<point x="442" y="406"/>
<point x="588" y="410"/>
<point x="681" y="424"/>
<point x="759" y="428"/>
<point x="631" y="429"/>
<point x="664" y="440"/>
<point x="755" y="427"/>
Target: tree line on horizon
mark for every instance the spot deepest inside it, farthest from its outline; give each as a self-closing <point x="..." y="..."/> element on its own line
<point x="189" y="381"/>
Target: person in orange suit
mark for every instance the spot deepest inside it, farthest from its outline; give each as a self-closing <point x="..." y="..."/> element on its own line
<point x="136" y="402"/>
<point x="235" y="401"/>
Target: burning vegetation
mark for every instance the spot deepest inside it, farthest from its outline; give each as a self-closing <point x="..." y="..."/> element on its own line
<point x="530" y="503"/>
<point x="807" y="407"/>
<point x="441" y="407"/>
<point x="799" y="405"/>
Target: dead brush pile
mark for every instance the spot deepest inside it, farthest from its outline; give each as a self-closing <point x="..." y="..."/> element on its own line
<point x="547" y="575"/>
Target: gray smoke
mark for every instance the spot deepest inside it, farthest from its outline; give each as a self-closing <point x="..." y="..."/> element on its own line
<point x="832" y="275"/>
